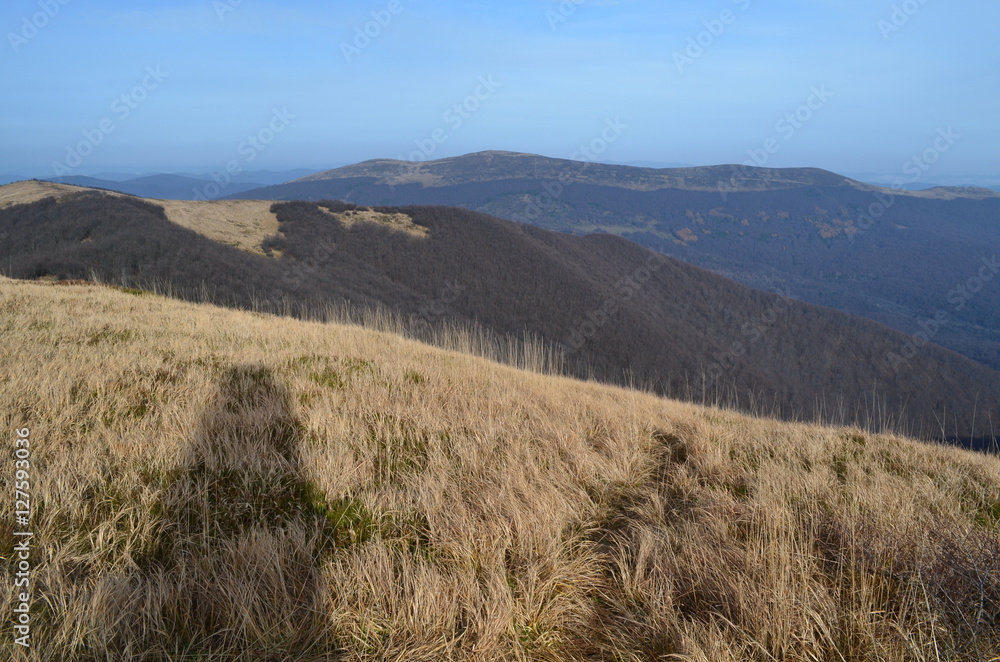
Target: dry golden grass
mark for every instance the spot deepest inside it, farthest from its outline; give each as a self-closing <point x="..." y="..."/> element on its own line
<point x="240" y="223"/>
<point x="218" y="485"/>
<point x="400" y="222"/>
<point x="22" y="193"/>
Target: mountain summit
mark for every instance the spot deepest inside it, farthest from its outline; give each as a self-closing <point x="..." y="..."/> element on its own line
<point x="500" y="165"/>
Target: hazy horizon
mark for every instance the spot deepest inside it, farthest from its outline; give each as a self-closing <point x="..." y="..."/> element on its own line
<point x="844" y="85"/>
<point x="112" y="173"/>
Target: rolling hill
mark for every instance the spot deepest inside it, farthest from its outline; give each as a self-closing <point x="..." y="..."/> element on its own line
<point x="906" y="259"/>
<point x="211" y="484"/>
<point x="610" y="309"/>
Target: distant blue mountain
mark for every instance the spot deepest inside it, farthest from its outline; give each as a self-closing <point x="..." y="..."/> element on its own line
<point x="117" y="176"/>
<point x="265" y="177"/>
<point x="164" y="187"/>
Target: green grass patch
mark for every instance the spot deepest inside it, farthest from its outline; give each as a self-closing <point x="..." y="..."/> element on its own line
<point x="988" y="516"/>
<point x="107" y="335"/>
<point x="327" y="378"/>
<point x="400" y="448"/>
<point x="349" y="522"/>
<point x="355" y="366"/>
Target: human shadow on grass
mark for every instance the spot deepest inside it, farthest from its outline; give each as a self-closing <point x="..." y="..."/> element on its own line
<point x="240" y="576"/>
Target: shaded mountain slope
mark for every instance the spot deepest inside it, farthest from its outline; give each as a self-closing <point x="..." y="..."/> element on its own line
<point x="617" y="311"/>
<point x="897" y="258"/>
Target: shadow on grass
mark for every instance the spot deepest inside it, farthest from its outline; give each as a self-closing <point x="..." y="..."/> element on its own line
<point x="239" y="576"/>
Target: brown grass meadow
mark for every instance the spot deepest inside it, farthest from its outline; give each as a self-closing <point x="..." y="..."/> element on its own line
<point x="210" y="484"/>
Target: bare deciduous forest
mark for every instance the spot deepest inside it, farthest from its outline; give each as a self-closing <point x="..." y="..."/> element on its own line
<point x="613" y="310"/>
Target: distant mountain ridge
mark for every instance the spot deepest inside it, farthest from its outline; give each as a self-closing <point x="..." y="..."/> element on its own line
<point x="162" y="187"/>
<point x="182" y="186"/>
<point x="975" y="192"/>
<point x="894" y="256"/>
<point x="500" y="165"/>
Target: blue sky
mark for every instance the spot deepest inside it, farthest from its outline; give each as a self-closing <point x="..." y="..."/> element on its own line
<point x="292" y="84"/>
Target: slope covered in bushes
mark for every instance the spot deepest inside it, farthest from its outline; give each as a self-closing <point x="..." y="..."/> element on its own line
<point x="610" y="308"/>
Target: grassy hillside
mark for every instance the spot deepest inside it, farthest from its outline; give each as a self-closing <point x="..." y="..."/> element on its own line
<point x="211" y="484"/>
<point x="897" y="258"/>
<point x="615" y="310"/>
<point x="242" y="224"/>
